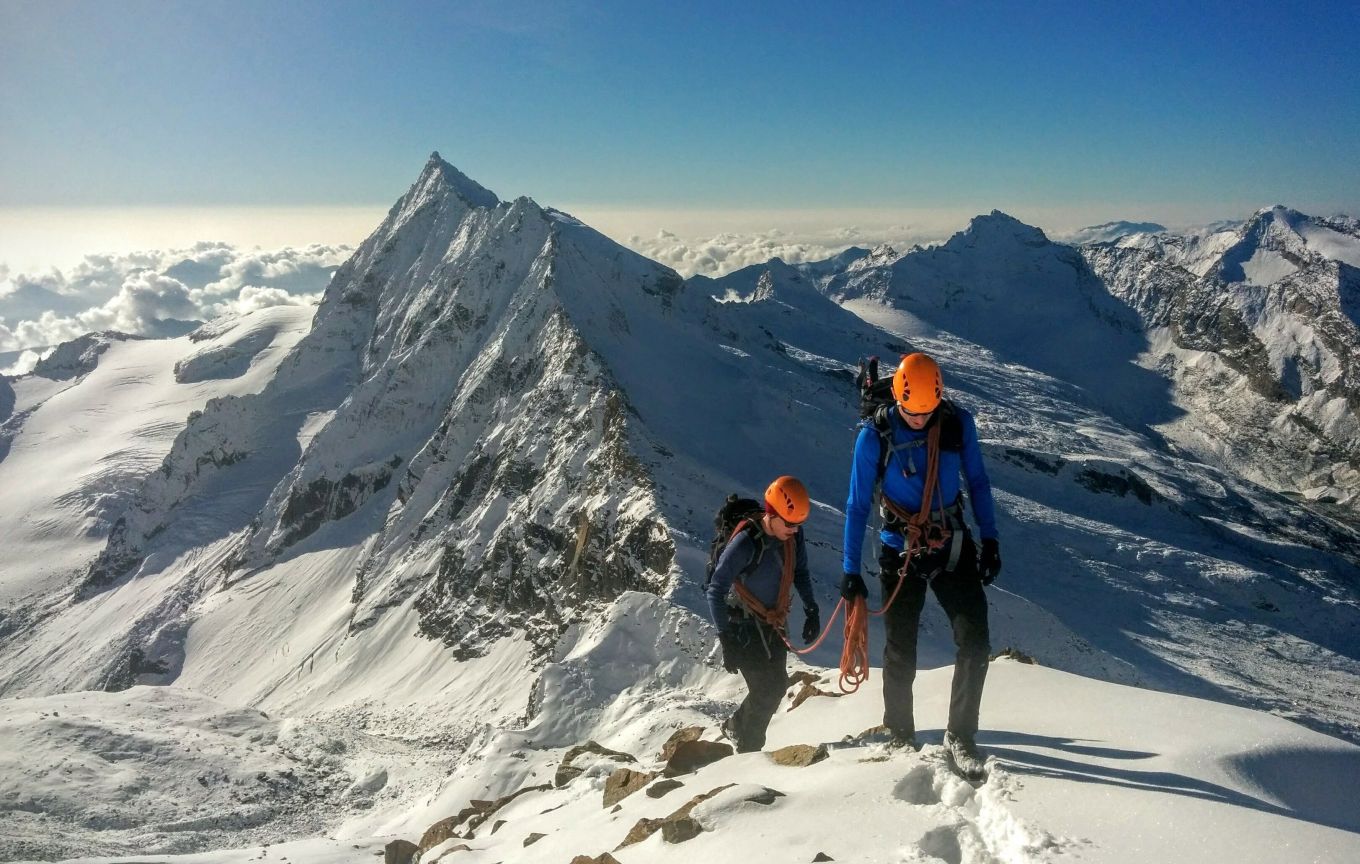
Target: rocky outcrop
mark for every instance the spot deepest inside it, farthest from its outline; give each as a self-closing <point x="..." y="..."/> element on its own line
<point x="576" y="761"/>
<point x="399" y="852"/>
<point x="806" y="691"/>
<point x="230" y="360"/>
<point x="661" y="788"/>
<point x="680" y="736"/>
<point x="465" y="823"/>
<point x="799" y="755"/>
<point x="677" y="827"/>
<point x="690" y="756"/>
<point x="685" y="823"/>
<point x="79" y="356"/>
<point x="1258" y="328"/>
<point x="622" y="783"/>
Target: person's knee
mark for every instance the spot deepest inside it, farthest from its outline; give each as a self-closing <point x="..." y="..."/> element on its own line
<point x="765" y="702"/>
<point x="972" y="638"/>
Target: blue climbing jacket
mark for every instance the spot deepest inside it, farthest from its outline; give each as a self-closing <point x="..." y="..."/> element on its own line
<point x="904" y="477"/>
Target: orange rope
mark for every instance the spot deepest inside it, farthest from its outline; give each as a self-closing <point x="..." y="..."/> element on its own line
<point x="855" y="654"/>
<point x="855" y="651"/>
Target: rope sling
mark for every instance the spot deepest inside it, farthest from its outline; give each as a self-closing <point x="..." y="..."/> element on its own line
<point x="921" y="532"/>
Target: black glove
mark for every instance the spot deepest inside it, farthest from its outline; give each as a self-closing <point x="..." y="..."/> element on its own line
<point x="729" y="654"/>
<point x="852" y="586"/>
<point x="812" y="623"/>
<point x="989" y="564"/>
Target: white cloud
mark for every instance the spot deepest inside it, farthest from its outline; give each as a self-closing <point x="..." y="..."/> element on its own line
<point x="23" y="365"/>
<point x="253" y="297"/>
<point x="133" y="293"/>
<point x="728" y="251"/>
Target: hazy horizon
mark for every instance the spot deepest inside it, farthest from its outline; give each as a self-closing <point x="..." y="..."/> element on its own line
<point x="34" y="240"/>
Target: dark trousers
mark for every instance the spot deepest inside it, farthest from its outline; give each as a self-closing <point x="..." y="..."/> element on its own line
<point x="961" y="595"/>
<point x="760" y="658"/>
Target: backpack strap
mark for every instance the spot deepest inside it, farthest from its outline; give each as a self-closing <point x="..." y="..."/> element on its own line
<point x="888" y="447"/>
<point x="777" y="616"/>
<point x="757" y="541"/>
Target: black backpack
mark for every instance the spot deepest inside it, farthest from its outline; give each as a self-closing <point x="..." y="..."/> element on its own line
<point x="726" y="522"/>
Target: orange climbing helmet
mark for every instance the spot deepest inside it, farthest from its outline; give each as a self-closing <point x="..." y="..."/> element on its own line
<point x="917" y="384"/>
<point x="788" y="499"/>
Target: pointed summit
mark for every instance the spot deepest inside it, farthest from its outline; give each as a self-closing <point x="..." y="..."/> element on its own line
<point x="996" y="228"/>
<point x="440" y="175"/>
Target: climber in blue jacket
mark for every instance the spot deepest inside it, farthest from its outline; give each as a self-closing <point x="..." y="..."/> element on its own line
<point x="897" y="446"/>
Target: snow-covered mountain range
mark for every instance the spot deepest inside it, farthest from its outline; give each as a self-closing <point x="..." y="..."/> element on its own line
<point x="1259" y="329"/>
<point x="461" y="512"/>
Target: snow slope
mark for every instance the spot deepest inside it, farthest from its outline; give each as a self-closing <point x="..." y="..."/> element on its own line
<point x="1259" y="332"/>
<point x="464" y="517"/>
<point x="80" y="444"/>
<point x="1079" y="770"/>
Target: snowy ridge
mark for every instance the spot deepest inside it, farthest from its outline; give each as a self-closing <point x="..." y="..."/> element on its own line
<point x="1260" y="332"/>
<point x="1055" y="776"/>
<point x="439" y="287"/>
<point x="458" y="525"/>
<point x="1109" y="232"/>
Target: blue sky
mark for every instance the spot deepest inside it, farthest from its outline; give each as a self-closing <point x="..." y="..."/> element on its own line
<point x="1106" y="108"/>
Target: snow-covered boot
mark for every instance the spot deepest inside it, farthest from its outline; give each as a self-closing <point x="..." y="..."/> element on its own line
<point x="964" y="754"/>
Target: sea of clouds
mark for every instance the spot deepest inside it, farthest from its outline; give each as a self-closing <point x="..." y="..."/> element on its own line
<point x="153" y="293"/>
<point x="723" y="253"/>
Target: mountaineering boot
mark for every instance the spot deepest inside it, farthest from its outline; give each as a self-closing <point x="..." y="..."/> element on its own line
<point x="964" y="754"/>
<point x="729" y="731"/>
<point x="901" y="741"/>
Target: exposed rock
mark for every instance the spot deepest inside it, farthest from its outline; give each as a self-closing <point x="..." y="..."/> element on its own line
<point x="661" y="787"/>
<point x="1014" y="654"/>
<point x="645" y="828"/>
<point x="533" y="838"/>
<point x="680" y="830"/>
<point x="441" y="831"/>
<point x="764" y="796"/>
<point x="498" y="825"/>
<point x="79" y="356"/>
<point x="822" y="856"/>
<point x="567" y="772"/>
<point x="224" y="361"/>
<point x="470" y="818"/>
<point x="802" y="676"/>
<point x="799" y="755"/>
<point x="399" y="852"/>
<point x="624" y="782"/>
<point x="689" y="733"/>
<point x="690" y="756"/>
<point x="806" y="692"/>
<point x="1124" y="483"/>
<point x="325" y="500"/>
<point x="602" y="858"/>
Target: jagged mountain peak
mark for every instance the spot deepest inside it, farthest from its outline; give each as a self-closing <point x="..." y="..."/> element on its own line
<point x="1280" y="212"/>
<point x="997" y="227"/>
<point x="440" y="177"/>
<point x="1277" y="242"/>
